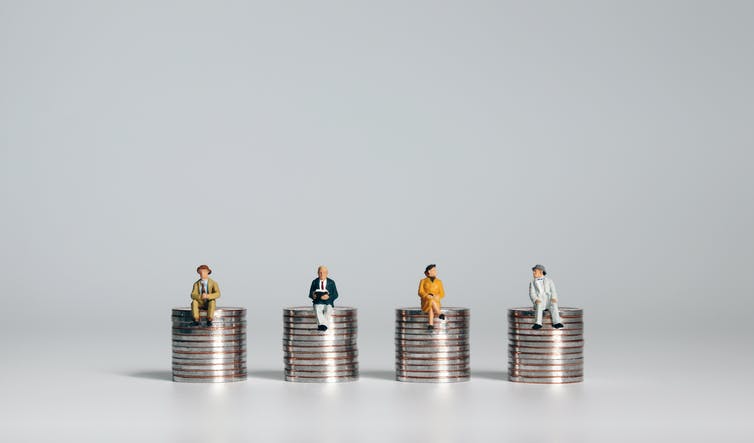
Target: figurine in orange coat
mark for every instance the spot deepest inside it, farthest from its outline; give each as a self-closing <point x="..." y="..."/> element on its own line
<point x="431" y="292"/>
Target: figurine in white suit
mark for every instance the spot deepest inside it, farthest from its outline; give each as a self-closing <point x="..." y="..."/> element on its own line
<point x="544" y="296"/>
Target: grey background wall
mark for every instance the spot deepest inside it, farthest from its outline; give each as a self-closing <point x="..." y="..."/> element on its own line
<point x="610" y="141"/>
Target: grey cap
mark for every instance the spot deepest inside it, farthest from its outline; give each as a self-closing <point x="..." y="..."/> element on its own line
<point x="541" y="268"/>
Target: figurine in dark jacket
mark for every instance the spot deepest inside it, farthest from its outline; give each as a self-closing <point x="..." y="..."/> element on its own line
<point x="323" y="293"/>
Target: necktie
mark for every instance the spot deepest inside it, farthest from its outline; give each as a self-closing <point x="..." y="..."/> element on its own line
<point x="204" y="288"/>
<point x="322" y="284"/>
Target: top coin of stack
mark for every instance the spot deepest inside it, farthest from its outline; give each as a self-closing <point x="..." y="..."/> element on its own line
<point x="432" y="356"/>
<point x="546" y="355"/>
<point x="320" y="356"/>
<point x="214" y="353"/>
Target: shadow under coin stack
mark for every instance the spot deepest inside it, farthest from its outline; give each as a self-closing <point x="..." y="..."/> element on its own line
<point x="437" y="356"/>
<point x="546" y="355"/>
<point x="320" y="356"/>
<point x="214" y="353"/>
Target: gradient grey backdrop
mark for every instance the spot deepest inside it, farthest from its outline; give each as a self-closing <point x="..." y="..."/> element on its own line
<point x="611" y="141"/>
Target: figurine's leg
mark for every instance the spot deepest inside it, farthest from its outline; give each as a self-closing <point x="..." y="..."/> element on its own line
<point x="211" y="309"/>
<point x="195" y="309"/>
<point x="328" y="315"/>
<point x="554" y="313"/>
<point x="539" y="308"/>
<point x="320" y="313"/>
<point x="434" y="309"/>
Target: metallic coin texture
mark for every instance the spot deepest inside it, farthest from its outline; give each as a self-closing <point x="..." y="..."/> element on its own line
<point x="546" y="355"/>
<point x="209" y="354"/>
<point x="313" y="356"/>
<point x="440" y="355"/>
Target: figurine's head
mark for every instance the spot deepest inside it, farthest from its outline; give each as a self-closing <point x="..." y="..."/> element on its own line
<point x="322" y="272"/>
<point x="431" y="271"/>
<point x="538" y="271"/>
<point x="204" y="271"/>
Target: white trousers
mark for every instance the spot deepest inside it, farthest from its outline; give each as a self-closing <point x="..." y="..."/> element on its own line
<point x="324" y="314"/>
<point x="550" y="306"/>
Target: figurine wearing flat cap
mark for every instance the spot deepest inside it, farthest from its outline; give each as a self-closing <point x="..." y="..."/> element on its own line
<point x="544" y="296"/>
<point x="204" y="295"/>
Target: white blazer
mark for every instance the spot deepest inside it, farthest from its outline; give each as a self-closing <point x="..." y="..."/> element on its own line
<point x="546" y="294"/>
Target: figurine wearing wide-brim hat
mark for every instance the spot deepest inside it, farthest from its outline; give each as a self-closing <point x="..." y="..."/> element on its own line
<point x="204" y="295"/>
<point x="544" y="297"/>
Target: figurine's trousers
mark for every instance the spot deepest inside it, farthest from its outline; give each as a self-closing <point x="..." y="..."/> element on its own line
<point x="209" y="305"/>
<point x="324" y="314"/>
<point x="552" y="307"/>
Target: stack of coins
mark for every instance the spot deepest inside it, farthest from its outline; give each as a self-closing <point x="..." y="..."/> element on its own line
<point x="432" y="356"/>
<point x="214" y="353"/>
<point x="546" y="355"/>
<point x="317" y="356"/>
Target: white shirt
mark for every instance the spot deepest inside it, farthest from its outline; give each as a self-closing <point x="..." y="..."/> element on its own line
<point x="322" y="285"/>
<point x="204" y="285"/>
<point x="540" y="282"/>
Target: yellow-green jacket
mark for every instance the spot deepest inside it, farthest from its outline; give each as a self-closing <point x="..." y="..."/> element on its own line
<point x="213" y="290"/>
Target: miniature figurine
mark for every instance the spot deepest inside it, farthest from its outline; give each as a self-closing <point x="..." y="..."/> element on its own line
<point x="204" y="295"/>
<point x="542" y="293"/>
<point x="323" y="293"/>
<point x="431" y="292"/>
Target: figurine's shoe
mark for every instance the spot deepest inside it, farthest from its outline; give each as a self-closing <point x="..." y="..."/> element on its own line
<point x="430" y="327"/>
<point x="194" y="323"/>
<point x="536" y="326"/>
<point x="209" y="322"/>
<point x="442" y="316"/>
<point x="557" y="325"/>
<point x="322" y="328"/>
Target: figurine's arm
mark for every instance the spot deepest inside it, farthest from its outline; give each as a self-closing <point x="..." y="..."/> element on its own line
<point x="214" y="295"/>
<point x="532" y="292"/>
<point x="312" y="288"/>
<point x="442" y="292"/>
<point x="334" y="294"/>
<point x="195" y="295"/>
<point x="422" y="292"/>
<point x="553" y="293"/>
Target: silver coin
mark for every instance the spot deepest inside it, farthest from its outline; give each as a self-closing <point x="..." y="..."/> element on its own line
<point x="444" y="344"/>
<point x="545" y="363"/>
<point x="305" y="327"/>
<point x="209" y="367"/>
<point x="210" y="379"/>
<point x="417" y="322"/>
<point x="208" y="372"/>
<point x="299" y="379"/>
<point x="320" y="356"/>
<point x="428" y="355"/>
<point x="319" y="338"/>
<point x="432" y="368"/>
<point x="298" y="347"/>
<point x="547" y="344"/>
<point x="548" y="380"/>
<point x="310" y="362"/>
<point x="551" y="337"/>
<point x="432" y="379"/>
<point x="432" y="335"/>
<point x="299" y="353"/>
<point x="432" y="349"/>
<point x="319" y="371"/>
<point x="449" y="375"/>
<point x="190" y="349"/>
<point x="199" y="341"/>
<point x="531" y="367"/>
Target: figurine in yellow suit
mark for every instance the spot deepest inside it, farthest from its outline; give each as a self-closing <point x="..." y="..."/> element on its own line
<point x="203" y="295"/>
<point x="431" y="292"/>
